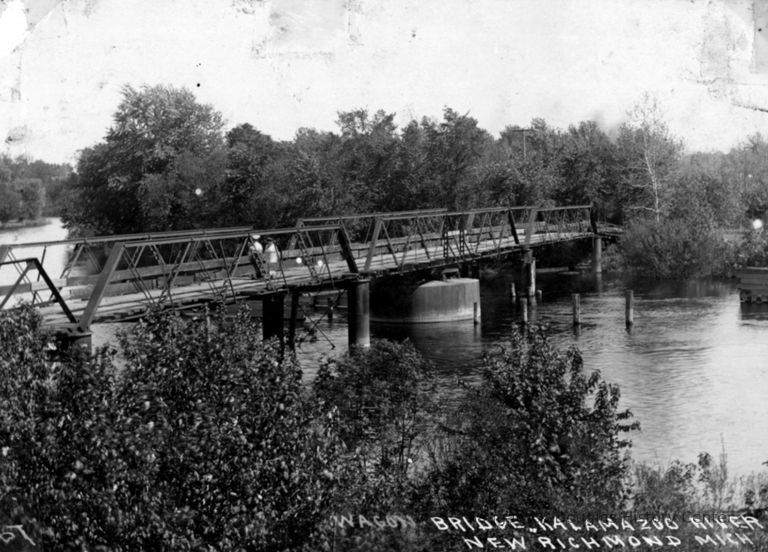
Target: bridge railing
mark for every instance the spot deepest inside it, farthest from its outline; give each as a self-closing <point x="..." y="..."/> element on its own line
<point x="181" y="270"/>
<point x="394" y="240"/>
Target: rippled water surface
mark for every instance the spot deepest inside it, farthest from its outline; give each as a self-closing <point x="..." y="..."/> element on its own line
<point x="693" y="369"/>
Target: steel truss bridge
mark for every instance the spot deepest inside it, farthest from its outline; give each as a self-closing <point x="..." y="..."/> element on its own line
<point x="119" y="277"/>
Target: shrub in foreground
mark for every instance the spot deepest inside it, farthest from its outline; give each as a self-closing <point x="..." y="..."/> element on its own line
<point x="538" y="436"/>
<point x="202" y="441"/>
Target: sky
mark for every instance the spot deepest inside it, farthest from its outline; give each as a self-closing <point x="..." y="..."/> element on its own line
<point x="285" y="64"/>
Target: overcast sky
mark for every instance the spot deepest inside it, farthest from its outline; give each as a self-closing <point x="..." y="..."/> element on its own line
<point x="284" y="64"/>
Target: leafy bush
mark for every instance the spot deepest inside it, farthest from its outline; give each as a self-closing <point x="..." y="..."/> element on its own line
<point x="672" y="248"/>
<point x="203" y="441"/>
<point x="527" y="441"/>
<point x="385" y="401"/>
<point x="752" y="250"/>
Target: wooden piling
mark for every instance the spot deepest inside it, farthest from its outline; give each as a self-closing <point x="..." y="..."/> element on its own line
<point x="272" y="317"/>
<point x="539" y="295"/>
<point x="629" y="311"/>
<point x="524" y="311"/>
<point x="295" y="298"/>
<point x="576" y="309"/>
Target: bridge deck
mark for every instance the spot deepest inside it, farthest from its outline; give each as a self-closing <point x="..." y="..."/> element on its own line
<point x="125" y="306"/>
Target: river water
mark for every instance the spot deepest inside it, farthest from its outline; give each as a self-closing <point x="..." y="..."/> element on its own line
<point x="693" y="369"/>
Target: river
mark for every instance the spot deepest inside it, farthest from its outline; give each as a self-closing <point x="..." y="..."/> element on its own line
<point x="693" y="368"/>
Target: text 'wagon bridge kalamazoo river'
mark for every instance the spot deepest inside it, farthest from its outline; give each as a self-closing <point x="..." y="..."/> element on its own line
<point x="120" y="277"/>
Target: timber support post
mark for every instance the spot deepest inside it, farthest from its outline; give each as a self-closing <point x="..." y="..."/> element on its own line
<point x="272" y="316"/>
<point x="629" y="310"/>
<point x="359" y="314"/>
<point x="295" y="298"/>
<point x="576" y="309"/>
<point x="597" y="254"/>
<point x="524" y="312"/>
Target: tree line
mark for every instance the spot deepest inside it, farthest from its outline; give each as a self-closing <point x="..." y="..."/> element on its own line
<point x="30" y="189"/>
<point x="167" y="163"/>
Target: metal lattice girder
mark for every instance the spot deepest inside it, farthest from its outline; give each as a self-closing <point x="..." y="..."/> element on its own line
<point x="33" y="264"/>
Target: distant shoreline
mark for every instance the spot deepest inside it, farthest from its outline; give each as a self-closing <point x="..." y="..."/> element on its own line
<point x="42" y="221"/>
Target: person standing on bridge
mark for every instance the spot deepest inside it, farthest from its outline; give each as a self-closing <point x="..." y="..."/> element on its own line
<point x="257" y="255"/>
<point x="593" y="214"/>
<point x="273" y="258"/>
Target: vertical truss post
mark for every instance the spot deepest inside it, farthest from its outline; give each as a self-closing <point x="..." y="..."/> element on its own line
<point x="374" y="239"/>
<point x="101" y="286"/>
<point x="531" y="225"/>
<point x="346" y="250"/>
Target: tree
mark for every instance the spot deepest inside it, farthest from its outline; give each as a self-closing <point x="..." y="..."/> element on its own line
<point x="250" y="193"/>
<point x="525" y="169"/>
<point x="162" y="161"/>
<point x="588" y="167"/>
<point x="538" y="435"/>
<point x="650" y="155"/>
<point x="367" y="156"/>
<point x="453" y="150"/>
<point x="10" y="203"/>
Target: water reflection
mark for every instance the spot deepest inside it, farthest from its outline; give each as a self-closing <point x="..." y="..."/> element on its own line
<point x="53" y="258"/>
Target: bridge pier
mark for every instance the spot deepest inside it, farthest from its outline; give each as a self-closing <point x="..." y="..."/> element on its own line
<point x="272" y="316"/>
<point x="597" y="255"/>
<point x="529" y="274"/>
<point x="359" y="314"/>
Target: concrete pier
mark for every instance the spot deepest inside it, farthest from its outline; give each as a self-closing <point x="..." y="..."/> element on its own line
<point x="446" y="300"/>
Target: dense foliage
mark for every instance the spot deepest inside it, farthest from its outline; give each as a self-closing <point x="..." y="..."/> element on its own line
<point x="203" y="439"/>
<point x="166" y="163"/>
<point x="538" y="436"/>
<point x="30" y="189"/>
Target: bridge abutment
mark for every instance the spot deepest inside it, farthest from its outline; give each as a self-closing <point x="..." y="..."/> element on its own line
<point x="359" y="314"/>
